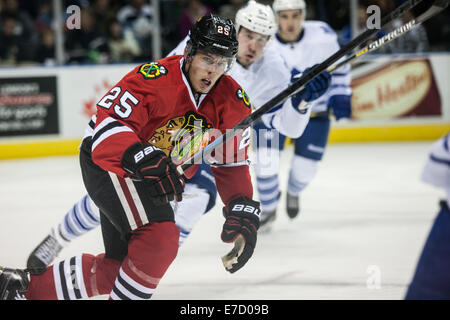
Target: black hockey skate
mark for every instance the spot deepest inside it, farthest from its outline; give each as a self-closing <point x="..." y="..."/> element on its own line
<point x="43" y="255"/>
<point x="13" y="284"/>
<point x="292" y="205"/>
<point x="266" y="220"/>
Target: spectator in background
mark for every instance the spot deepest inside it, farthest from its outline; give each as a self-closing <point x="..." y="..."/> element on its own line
<point x="46" y="51"/>
<point x="104" y="12"/>
<point x="438" y="31"/>
<point x="346" y="34"/>
<point x="415" y="40"/>
<point x="387" y="6"/>
<point x="24" y="29"/>
<point x="193" y="10"/>
<point x="87" y="45"/>
<point x="122" y="45"/>
<point x="137" y="17"/>
<point x="31" y="18"/>
<point x="171" y="11"/>
<point x="9" y="41"/>
<point x="229" y="10"/>
<point x="44" y="17"/>
<point x="335" y="13"/>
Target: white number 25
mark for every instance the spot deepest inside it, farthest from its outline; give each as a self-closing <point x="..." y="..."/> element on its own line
<point x="123" y="109"/>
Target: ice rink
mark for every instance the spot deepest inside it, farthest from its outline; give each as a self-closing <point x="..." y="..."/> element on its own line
<point x="363" y="223"/>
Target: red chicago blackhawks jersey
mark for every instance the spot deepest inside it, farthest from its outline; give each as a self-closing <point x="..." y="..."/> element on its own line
<point x="154" y="104"/>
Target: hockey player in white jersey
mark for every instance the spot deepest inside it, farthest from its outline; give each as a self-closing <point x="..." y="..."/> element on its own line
<point x="302" y="45"/>
<point x="262" y="73"/>
<point x="431" y="279"/>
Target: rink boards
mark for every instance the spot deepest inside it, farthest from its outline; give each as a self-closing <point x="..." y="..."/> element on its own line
<point x="44" y="111"/>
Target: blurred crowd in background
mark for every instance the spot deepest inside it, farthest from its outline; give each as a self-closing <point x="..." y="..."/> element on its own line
<point x="116" y="31"/>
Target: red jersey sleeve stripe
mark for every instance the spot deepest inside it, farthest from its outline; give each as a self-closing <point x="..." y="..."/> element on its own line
<point x="106" y="129"/>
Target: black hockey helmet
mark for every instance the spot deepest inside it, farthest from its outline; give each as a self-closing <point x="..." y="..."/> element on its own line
<point x="214" y="34"/>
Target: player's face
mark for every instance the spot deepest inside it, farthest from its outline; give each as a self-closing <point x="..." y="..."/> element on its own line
<point x="290" y="24"/>
<point x="204" y="69"/>
<point x="251" y="46"/>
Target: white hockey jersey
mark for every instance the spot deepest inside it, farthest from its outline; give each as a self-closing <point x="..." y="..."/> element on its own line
<point x="317" y="43"/>
<point x="263" y="80"/>
<point x="437" y="168"/>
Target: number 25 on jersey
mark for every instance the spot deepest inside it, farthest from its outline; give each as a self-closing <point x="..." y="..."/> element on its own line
<point x="126" y="102"/>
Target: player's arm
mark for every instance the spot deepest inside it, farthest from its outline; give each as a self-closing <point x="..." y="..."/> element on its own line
<point x="340" y="93"/>
<point x="120" y="117"/>
<point x="116" y="146"/>
<point x="241" y="213"/>
<point x="291" y="117"/>
<point x="230" y="166"/>
<point x="287" y="118"/>
<point x="232" y="176"/>
<point x="338" y="97"/>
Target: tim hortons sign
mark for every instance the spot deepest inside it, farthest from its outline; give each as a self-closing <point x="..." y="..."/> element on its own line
<point x="399" y="89"/>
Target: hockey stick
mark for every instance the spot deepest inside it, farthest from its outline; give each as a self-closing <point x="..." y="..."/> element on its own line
<point x="229" y="259"/>
<point x="296" y="86"/>
<point x="285" y="94"/>
<point x="436" y="8"/>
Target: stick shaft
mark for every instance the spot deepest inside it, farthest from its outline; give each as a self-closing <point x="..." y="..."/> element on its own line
<point x="436" y="8"/>
<point x="431" y="12"/>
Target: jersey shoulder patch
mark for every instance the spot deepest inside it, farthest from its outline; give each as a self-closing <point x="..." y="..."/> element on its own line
<point x="152" y="70"/>
<point x="229" y="86"/>
<point x="242" y="95"/>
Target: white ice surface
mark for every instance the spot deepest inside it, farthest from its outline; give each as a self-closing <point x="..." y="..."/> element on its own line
<point x="364" y="220"/>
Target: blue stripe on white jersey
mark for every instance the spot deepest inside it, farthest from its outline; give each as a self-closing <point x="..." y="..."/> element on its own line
<point x="446" y="140"/>
<point x="438" y="160"/>
<point x="440" y="152"/>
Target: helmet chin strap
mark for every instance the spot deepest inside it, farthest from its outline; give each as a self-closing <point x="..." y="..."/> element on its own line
<point x="186" y="68"/>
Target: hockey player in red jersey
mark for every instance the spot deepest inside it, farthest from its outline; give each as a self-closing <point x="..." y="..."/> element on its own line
<point x="126" y="162"/>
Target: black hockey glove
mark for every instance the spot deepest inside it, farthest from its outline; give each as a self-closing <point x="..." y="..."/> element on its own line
<point x="241" y="225"/>
<point x="150" y="165"/>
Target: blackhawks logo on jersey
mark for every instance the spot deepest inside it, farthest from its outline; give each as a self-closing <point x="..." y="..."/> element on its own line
<point x="152" y="70"/>
<point x="182" y="136"/>
<point x="242" y="95"/>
